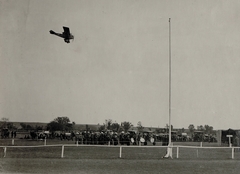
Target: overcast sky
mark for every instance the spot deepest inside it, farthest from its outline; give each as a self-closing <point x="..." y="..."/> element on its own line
<point x="118" y="65"/>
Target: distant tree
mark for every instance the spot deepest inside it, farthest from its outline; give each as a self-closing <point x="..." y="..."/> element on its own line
<point x="23" y="125"/>
<point x="87" y="128"/>
<point x="120" y="129"/>
<point x="10" y="126"/>
<point x="126" y="126"/>
<point x="115" y="127"/>
<point x="26" y="126"/>
<point x="68" y="127"/>
<point x="108" y="123"/>
<point x="191" y="128"/>
<point x="29" y="127"/>
<point x="37" y="127"/>
<point x="62" y="120"/>
<point x="4" y="119"/>
<point x="139" y="126"/>
<point x="208" y="129"/>
<point x="180" y="131"/>
<point x="54" y="126"/>
<point x="60" y="124"/>
<point x="158" y="130"/>
<point x="4" y="122"/>
<point x="101" y="128"/>
<point x="200" y="128"/>
<point x="73" y="125"/>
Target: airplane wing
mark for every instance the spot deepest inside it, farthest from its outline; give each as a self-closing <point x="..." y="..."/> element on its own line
<point x="66" y="31"/>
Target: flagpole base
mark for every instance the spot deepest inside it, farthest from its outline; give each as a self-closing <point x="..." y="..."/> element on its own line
<point x="169" y="153"/>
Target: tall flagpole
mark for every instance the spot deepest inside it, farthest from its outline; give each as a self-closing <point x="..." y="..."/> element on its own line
<point x="169" y="149"/>
<point x="170" y="127"/>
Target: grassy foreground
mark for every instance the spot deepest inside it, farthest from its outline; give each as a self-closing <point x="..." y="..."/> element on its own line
<point x="40" y="165"/>
<point x="106" y="159"/>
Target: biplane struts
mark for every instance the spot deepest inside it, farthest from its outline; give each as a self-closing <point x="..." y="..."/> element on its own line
<point x="66" y="35"/>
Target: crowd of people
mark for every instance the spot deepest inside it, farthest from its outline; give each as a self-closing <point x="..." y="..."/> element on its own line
<point x="108" y="138"/>
<point x="5" y="133"/>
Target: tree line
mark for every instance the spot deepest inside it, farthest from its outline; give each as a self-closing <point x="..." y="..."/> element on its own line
<point x="206" y="129"/>
<point x="64" y="124"/>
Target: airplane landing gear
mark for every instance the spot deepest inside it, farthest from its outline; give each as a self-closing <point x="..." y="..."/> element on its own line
<point x="66" y="40"/>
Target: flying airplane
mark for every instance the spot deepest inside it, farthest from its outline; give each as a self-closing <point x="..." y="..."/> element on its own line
<point x="66" y="34"/>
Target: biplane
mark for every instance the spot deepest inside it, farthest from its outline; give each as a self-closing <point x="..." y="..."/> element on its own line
<point x="66" y="35"/>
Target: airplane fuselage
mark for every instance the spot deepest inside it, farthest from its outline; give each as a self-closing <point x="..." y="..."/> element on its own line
<point x="65" y="35"/>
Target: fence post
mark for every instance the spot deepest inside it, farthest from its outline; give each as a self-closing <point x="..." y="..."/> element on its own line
<point x="45" y="141"/>
<point x="77" y="142"/>
<point x="4" y="152"/>
<point x="13" y="141"/>
<point x="232" y="153"/>
<point x="120" y="153"/>
<point x="62" y="151"/>
<point x="177" y="151"/>
<point x="201" y="144"/>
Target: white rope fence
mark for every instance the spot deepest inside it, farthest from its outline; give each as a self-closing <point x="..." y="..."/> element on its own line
<point x="120" y="147"/>
<point x="77" y="145"/>
<point x="201" y="147"/>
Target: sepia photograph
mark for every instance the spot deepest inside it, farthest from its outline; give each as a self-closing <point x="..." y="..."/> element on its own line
<point x="120" y="86"/>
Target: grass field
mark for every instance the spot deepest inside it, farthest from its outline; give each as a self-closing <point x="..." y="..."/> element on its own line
<point x="106" y="159"/>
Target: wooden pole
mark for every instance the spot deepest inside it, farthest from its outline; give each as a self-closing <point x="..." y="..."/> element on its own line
<point x="177" y="152"/>
<point x="120" y="153"/>
<point x="169" y="149"/>
<point x="4" y="152"/>
<point x="62" y="151"/>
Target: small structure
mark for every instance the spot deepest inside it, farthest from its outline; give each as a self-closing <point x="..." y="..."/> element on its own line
<point x="230" y="136"/>
<point x="225" y="136"/>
